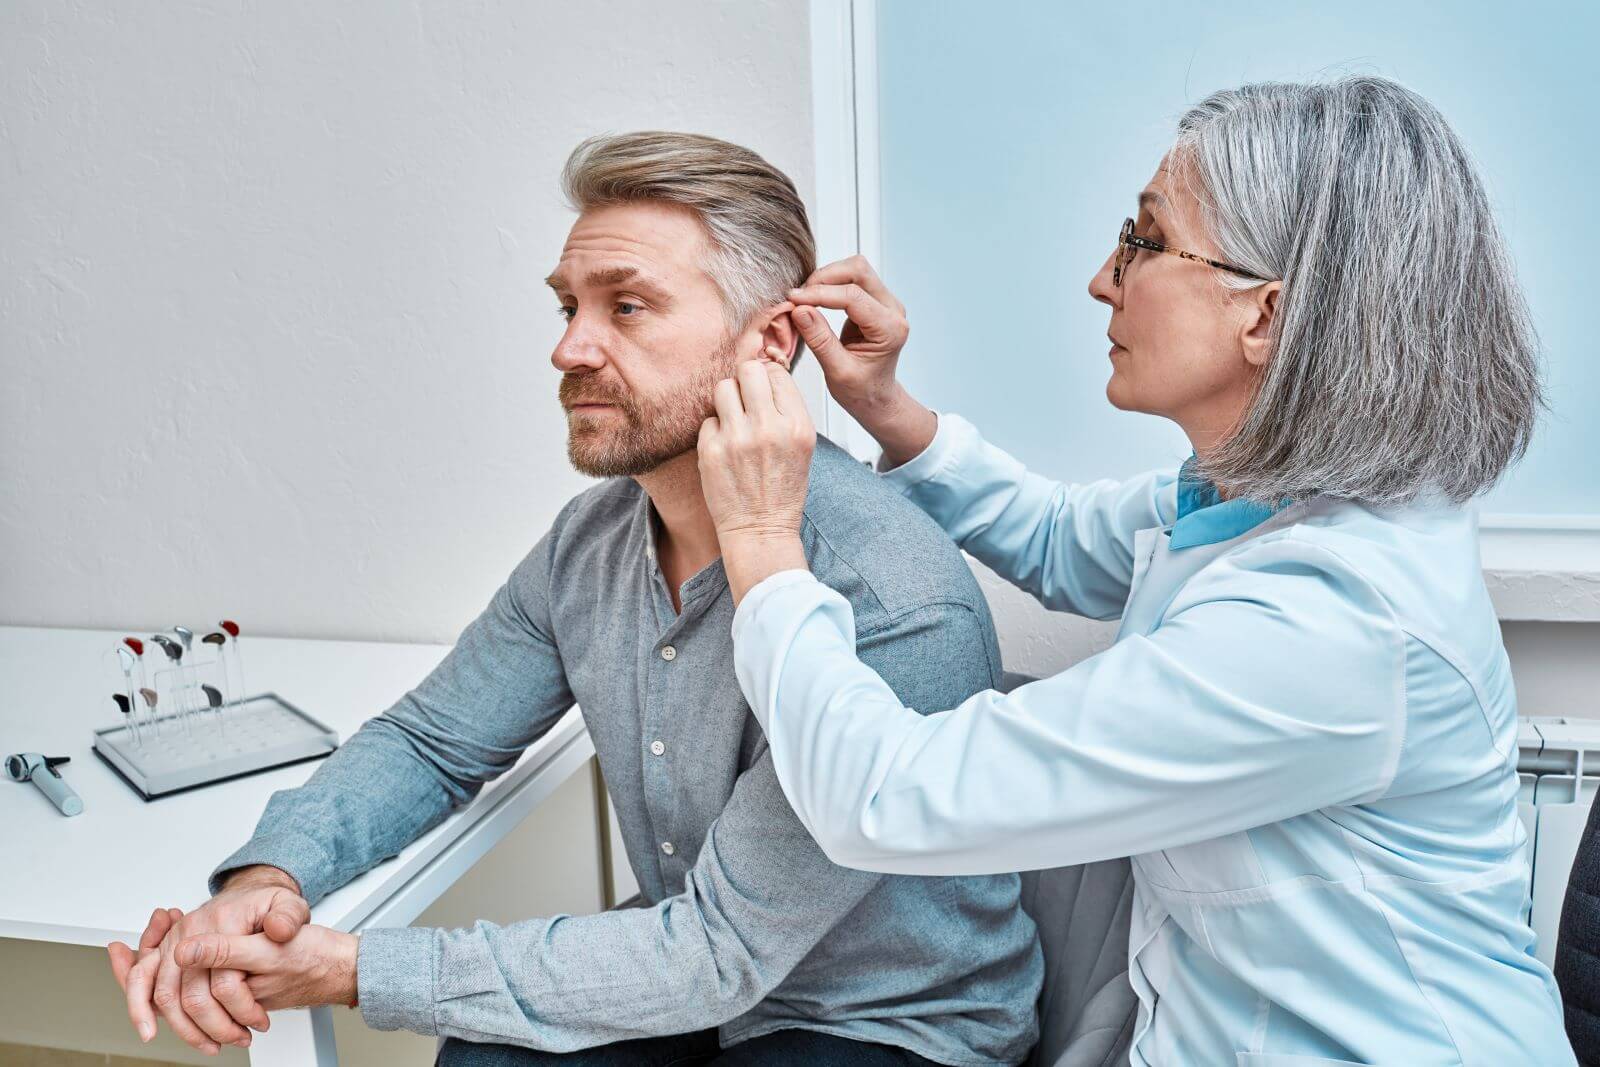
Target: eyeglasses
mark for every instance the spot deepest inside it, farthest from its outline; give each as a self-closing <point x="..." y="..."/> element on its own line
<point x="1128" y="243"/>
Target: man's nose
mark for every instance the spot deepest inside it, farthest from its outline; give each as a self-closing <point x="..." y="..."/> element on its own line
<point x="578" y="350"/>
<point x="1100" y="286"/>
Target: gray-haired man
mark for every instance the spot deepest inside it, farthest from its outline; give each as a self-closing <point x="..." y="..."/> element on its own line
<point x="751" y="947"/>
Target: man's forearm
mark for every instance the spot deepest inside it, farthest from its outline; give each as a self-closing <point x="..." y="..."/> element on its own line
<point x="364" y="804"/>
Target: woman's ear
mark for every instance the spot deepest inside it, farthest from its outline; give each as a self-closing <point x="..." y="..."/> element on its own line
<point x="779" y="333"/>
<point x="1261" y="307"/>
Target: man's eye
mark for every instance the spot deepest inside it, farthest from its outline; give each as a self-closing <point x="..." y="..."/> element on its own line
<point x="566" y="312"/>
<point x="625" y="308"/>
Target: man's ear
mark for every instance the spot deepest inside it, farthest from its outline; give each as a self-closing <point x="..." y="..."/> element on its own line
<point x="778" y="332"/>
<point x="1261" y="308"/>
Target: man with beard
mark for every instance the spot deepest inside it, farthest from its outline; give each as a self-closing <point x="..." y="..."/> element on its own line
<point x="749" y="945"/>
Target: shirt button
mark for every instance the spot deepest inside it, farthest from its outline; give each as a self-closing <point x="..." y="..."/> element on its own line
<point x="666" y="846"/>
<point x="669" y="653"/>
<point x="656" y="748"/>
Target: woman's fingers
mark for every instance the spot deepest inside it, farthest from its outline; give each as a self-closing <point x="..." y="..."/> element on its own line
<point x="140" y="978"/>
<point x="786" y="396"/>
<point x="856" y="269"/>
<point x="710" y="433"/>
<point x="755" y="389"/>
<point x="730" y="408"/>
<point x="864" y="311"/>
<point x="820" y="338"/>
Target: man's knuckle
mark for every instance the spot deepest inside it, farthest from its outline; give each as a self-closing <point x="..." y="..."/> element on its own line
<point x="194" y="1000"/>
<point x="165" y="999"/>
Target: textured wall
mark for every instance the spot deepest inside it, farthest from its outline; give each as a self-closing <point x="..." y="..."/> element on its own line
<point x="273" y="333"/>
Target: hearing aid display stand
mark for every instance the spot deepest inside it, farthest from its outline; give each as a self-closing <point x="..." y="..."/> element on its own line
<point x="219" y="744"/>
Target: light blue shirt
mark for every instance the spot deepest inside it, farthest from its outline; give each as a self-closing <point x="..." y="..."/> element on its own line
<point x="1304" y="735"/>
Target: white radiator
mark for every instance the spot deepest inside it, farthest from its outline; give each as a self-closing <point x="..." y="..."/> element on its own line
<point x="1558" y="760"/>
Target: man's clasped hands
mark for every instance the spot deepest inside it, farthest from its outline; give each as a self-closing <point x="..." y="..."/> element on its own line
<point x="215" y="972"/>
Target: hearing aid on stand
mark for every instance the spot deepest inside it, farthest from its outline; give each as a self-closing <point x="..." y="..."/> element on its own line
<point x="137" y="646"/>
<point x="125" y="699"/>
<point x="232" y="629"/>
<point x="174" y="652"/>
<point x="129" y="709"/>
<point x="189" y="675"/>
<point x="224" y="671"/>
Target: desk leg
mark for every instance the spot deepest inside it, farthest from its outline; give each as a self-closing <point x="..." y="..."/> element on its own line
<point x="300" y="1037"/>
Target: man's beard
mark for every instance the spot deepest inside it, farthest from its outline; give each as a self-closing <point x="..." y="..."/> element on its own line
<point x="642" y="436"/>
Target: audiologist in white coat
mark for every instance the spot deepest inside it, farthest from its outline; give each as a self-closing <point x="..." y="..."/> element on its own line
<point x="1305" y="733"/>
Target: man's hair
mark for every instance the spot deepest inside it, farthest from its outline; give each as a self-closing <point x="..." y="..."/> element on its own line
<point x="760" y="239"/>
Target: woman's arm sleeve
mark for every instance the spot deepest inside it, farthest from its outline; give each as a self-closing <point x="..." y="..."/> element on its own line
<point x="1071" y="546"/>
<point x="1274" y="687"/>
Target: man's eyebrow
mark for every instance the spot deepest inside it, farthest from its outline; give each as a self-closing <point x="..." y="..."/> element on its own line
<point x="610" y="276"/>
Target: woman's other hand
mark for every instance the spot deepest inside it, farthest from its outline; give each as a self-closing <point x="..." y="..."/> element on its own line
<point x="755" y="464"/>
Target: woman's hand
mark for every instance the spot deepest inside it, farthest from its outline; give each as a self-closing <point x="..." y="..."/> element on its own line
<point x="859" y="363"/>
<point x="755" y="464"/>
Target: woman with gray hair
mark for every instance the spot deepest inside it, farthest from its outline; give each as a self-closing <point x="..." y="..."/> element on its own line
<point x="1305" y="733"/>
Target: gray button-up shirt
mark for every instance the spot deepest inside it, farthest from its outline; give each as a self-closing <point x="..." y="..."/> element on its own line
<point x="750" y="928"/>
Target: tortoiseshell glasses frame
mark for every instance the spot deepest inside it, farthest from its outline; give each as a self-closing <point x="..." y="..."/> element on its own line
<point x="1128" y="242"/>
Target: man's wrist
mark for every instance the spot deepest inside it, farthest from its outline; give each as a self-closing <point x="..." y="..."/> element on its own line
<point x="260" y="874"/>
<point x="349" y="994"/>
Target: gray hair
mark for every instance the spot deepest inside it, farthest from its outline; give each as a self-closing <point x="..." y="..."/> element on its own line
<point x="761" y="243"/>
<point x="1405" y="362"/>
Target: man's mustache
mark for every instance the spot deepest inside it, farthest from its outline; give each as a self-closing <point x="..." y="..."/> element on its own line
<point x="578" y="389"/>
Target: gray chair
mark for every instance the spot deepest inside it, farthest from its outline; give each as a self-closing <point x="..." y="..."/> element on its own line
<point x="1086" y="1008"/>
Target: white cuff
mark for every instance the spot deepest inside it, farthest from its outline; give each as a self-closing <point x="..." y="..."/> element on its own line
<point x="953" y="431"/>
<point x="761" y="592"/>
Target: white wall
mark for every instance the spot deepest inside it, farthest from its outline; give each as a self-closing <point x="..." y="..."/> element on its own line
<point x="273" y="333"/>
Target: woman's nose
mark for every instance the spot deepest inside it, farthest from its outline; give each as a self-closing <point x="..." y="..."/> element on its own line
<point x="1100" y="286"/>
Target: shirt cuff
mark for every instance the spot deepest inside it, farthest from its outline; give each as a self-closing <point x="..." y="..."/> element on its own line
<point x="394" y="979"/>
<point x="953" y="432"/>
<point x="301" y="855"/>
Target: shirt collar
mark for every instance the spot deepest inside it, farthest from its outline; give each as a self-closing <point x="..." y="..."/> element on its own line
<point x="1204" y="518"/>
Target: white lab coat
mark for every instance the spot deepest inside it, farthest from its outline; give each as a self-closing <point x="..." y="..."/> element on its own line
<point x="1304" y="736"/>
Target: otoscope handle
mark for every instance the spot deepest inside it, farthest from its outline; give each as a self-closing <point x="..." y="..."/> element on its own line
<point x="50" y="782"/>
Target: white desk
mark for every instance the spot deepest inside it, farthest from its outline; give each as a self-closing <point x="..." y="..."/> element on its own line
<point x="95" y="878"/>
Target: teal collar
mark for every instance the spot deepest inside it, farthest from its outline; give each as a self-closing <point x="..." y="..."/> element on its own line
<point x="1204" y="518"/>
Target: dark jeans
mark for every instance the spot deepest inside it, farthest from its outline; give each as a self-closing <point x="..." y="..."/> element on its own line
<point x="784" y="1048"/>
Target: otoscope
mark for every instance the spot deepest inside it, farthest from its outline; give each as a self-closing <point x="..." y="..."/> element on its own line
<point x="41" y="771"/>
